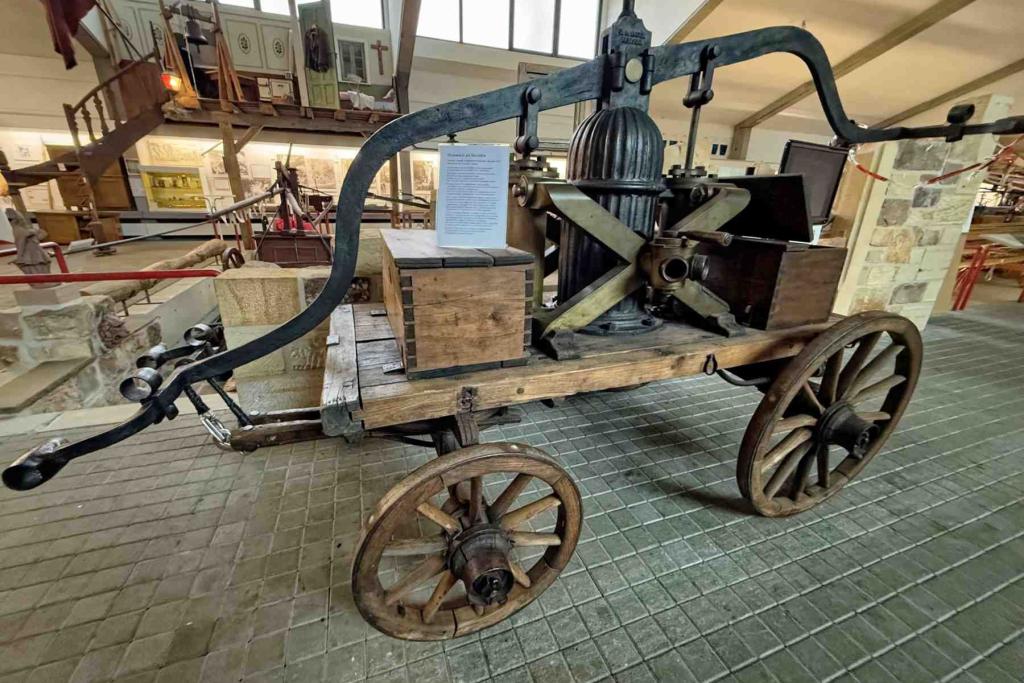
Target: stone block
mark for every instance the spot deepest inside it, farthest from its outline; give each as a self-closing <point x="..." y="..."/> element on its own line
<point x="299" y="389"/>
<point x="10" y="323"/>
<point x="258" y="296"/>
<point x="894" y="212"/>
<point x="938" y="257"/>
<point x="909" y="293"/>
<point x="928" y="237"/>
<point x="271" y="364"/>
<point x="920" y="155"/>
<point x="870" y="299"/>
<point x="73" y="320"/>
<point x="50" y="296"/>
<point x="926" y="197"/>
<point x="61" y="349"/>
<point x="877" y="275"/>
<point x="898" y="242"/>
<point x="874" y="255"/>
<point x="9" y="355"/>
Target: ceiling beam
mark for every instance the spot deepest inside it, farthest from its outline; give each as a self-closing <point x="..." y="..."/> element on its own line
<point x="693" y="21"/>
<point x="900" y="34"/>
<point x="406" y="48"/>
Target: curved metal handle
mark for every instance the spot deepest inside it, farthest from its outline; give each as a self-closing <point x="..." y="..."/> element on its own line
<point x="37" y="466"/>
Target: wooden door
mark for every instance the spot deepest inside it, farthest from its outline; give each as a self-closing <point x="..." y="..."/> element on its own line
<point x="322" y="85"/>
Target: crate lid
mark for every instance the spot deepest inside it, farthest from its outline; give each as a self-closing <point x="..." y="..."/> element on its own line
<point x="419" y="249"/>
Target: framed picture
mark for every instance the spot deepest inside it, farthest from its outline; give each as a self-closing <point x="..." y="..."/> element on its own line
<point x="167" y="152"/>
<point x="422" y="176"/>
<point x="26" y="151"/>
<point x="174" y="189"/>
<point x="215" y="160"/>
<point x="322" y="174"/>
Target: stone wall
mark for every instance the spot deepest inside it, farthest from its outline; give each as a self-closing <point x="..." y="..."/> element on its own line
<point x="81" y="329"/>
<point x="906" y="234"/>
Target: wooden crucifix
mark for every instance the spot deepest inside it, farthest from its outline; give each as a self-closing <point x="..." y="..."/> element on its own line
<point x="380" y="49"/>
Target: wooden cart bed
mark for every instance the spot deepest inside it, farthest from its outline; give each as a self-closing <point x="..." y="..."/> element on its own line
<point x="365" y="388"/>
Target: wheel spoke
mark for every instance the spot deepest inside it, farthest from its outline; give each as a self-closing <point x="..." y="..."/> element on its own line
<point x="790" y="423"/>
<point x="437" y="597"/>
<point x="876" y="364"/>
<point x="878" y="388"/>
<point x="808" y="393"/>
<point x="520" y="516"/>
<point x="860" y="356"/>
<point x="521" y="577"/>
<point x="823" y="469"/>
<point x="796" y="486"/>
<point x="784" y="448"/>
<point x="439" y="517"/>
<point x="476" y="497"/>
<point x="829" y="383"/>
<point x="875" y="416"/>
<point x="423" y="572"/>
<point x="509" y="495"/>
<point x="785" y="469"/>
<point x="531" y="538"/>
<point x="415" y="546"/>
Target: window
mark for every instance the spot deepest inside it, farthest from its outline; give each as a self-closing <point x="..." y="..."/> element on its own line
<point x="352" y="61"/>
<point x="565" y="28"/>
<point x="281" y="6"/>
<point x="485" y="23"/>
<point x="533" y="24"/>
<point x="577" y="35"/>
<point x="367" y="13"/>
<point x="239" y="3"/>
<point x="439" y="19"/>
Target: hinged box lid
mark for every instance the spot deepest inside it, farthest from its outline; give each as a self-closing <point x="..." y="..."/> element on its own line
<point x="419" y="249"/>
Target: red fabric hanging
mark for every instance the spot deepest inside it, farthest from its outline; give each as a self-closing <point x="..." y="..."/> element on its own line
<point x="63" y="17"/>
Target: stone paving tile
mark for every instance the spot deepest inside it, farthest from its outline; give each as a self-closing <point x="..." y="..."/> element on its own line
<point x="165" y="559"/>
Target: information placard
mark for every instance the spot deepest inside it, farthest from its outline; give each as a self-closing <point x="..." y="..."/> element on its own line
<point x="472" y="196"/>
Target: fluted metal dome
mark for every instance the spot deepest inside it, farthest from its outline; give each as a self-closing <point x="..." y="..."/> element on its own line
<point x="620" y="144"/>
<point x="615" y="157"/>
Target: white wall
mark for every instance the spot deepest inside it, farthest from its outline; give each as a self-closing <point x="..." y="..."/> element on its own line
<point x="33" y="79"/>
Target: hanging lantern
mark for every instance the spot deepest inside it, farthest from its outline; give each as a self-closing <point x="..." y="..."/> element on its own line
<point x="171" y="81"/>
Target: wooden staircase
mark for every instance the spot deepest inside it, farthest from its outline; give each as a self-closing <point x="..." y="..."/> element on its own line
<point x="137" y="96"/>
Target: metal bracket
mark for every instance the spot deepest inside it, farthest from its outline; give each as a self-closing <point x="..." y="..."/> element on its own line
<point x="467" y="399"/>
<point x="527" y="139"/>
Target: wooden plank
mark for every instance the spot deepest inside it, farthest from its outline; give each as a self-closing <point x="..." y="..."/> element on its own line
<point x="370" y="327"/>
<point x="509" y="256"/>
<point x="418" y="249"/>
<point x="376" y="356"/>
<point x="897" y="36"/>
<point x="407" y="401"/>
<point x="340" y="394"/>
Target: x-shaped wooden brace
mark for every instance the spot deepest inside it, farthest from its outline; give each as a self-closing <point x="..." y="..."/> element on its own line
<point x="609" y="289"/>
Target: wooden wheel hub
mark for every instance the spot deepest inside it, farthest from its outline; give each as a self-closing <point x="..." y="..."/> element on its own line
<point x="480" y="559"/>
<point x="842" y="426"/>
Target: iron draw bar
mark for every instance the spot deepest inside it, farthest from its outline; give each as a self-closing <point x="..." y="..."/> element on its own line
<point x="581" y="83"/>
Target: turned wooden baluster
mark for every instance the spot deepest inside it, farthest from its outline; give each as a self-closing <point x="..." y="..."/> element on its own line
<point x="99" y="112"/>
<point x="69" y="114"/>
<point x="87" y="117"/>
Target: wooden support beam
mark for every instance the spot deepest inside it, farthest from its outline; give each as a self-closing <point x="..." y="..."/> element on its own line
<point x="235" y="177"/>
<point x="393" y="172"/>
<point x="247" y="137"/>
<point x="693" y="21"/>
<point x="897" y="36"/>
<point x="957" y="92"/>
<point x="406" y="48"/>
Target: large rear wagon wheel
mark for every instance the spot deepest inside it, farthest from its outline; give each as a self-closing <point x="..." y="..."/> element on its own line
<point x="465" y="541"/>
<point x="829" y="412"/>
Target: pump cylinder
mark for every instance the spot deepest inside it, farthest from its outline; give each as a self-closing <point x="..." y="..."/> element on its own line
<point x="615" y="158"/>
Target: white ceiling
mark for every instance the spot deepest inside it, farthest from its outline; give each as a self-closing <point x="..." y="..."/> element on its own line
<point x="970" y="43"/>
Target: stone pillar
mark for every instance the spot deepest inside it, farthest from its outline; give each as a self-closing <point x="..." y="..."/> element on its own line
<point x="905" y="235"/>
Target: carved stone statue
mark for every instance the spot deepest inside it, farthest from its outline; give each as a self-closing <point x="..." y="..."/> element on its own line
<point x="31" y="257"/>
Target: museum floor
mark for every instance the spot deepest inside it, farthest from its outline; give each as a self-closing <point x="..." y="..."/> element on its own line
<point x="165" y="559"/>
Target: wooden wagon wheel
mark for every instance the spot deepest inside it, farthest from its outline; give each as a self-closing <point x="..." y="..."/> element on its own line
<point x="473" y="565"/>
<point x="829" y="412"/>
